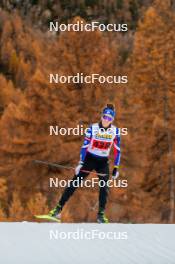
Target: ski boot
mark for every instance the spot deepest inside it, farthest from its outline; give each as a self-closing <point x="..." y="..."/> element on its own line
<point x="56" y="212"/>
<point x="101" y="218"/>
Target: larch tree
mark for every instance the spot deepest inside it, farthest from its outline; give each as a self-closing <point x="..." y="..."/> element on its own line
<point x="16" y="210"/>
<point x="3" y="216"/>
<point x="24" y="127"/>
<point x="37" y="205"/>
<point x="152" y="84"/>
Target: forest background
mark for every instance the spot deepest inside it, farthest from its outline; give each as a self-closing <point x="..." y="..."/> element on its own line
<point x="29" y="105"/>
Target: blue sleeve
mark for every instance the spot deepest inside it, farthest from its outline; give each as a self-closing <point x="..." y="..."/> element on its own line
<point x="87" y="139"/>
<point x="117" y="152"/>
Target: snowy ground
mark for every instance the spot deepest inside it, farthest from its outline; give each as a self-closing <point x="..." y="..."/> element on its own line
<point x="50" y="243"/>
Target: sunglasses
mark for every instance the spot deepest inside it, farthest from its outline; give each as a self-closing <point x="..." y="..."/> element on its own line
<point x="107" y="118"/>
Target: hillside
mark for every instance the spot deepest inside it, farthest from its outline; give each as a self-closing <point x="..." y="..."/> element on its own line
<point x="29" y="105"/>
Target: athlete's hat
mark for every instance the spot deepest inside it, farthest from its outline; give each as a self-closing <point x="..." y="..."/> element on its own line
<point x="109" y="111"/>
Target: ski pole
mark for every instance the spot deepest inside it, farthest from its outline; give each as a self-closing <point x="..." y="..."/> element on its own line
<point x="65" y="167"/>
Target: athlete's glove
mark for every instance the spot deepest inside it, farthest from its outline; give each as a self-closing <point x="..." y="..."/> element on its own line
<point x="78" y="168"/>
<point x="115" y="173"/>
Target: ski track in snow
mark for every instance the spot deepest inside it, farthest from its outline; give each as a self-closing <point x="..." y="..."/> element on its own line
<point x="30" y="243"/>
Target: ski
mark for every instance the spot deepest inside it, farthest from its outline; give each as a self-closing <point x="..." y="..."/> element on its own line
<point x="48" y="217"/>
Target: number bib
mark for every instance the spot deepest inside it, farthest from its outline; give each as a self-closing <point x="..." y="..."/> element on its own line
<point x="101" y="143"/>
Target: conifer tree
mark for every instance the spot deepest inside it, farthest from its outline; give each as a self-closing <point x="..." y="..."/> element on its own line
<point x="37" y="205"/>
<point x="16" y="210"/>
<point x="152" y="85"/>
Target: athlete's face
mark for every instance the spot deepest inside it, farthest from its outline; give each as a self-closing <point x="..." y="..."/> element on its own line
<point x="106" y="120"/>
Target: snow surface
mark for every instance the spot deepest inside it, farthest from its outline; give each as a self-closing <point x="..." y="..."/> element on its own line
<point x="50" y="243"/>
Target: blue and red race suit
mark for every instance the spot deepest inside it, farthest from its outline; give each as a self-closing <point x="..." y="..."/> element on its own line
<point x="98" y="141"/>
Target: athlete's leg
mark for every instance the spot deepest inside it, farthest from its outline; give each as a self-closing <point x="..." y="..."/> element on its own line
<point x="103" y="167"/>
<point x="89" y="166"/>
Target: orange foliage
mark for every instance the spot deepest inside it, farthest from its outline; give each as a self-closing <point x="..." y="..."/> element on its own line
<point x="37" y="205"/>
<point x="29" y="105"/>
<point x="16" y="211"/>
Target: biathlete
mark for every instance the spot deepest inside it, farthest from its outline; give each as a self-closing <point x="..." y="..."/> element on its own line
<point x="94" y="156"/>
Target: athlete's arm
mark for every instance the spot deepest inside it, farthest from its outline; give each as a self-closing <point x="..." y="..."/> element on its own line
<point x="117" y="152"/>
<point x="87" y="139"/>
